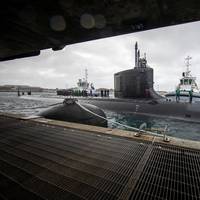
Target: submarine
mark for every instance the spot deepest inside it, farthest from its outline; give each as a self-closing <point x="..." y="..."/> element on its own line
<point x="71" y="111"/>
<point x="134" y="93"/>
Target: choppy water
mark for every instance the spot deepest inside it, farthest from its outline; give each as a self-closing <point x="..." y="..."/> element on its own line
<point x="9" y="102"/>
<point x="177" y="128"/>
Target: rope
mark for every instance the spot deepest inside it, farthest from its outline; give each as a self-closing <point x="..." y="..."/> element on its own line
<point x="126" y="126"/>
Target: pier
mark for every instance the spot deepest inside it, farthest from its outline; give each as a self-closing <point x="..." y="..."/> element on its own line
<point x="49" y="159"/>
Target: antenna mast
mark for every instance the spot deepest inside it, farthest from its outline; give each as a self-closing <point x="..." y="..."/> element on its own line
<point x="86" y="76"/>
<point x="136" y="55"/>
<point x="188" y="64"/>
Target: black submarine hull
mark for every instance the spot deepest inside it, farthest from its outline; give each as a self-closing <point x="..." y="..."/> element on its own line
<point x="75" y="112"/>
<point x="160" y="108"/>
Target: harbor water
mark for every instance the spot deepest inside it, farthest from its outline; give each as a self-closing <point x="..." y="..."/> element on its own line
<point x="31" y="105"/>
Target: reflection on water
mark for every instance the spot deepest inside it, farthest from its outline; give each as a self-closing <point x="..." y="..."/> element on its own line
<point x="9" y="102"/>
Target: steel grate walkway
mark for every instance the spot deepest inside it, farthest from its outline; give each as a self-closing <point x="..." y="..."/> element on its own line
<point x="170" y="173"/>
<point x="50" y="162"/>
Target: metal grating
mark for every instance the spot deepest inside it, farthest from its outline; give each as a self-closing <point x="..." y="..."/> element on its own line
<point x="72" y="164"/>
<point x="170" y="173"/>
<point x="47" y="162"/>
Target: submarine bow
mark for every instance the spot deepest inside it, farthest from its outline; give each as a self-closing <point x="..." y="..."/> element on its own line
<point x="71" y="111"/>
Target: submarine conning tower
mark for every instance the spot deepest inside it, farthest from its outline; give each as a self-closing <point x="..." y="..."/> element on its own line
<point x="137" y="82"/>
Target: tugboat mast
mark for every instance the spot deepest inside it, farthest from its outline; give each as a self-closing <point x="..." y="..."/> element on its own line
<point x="86" y="76"/>
<point x="188" y="58"/>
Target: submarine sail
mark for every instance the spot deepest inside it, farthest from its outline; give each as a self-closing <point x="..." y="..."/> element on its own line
<point x="136" y="82"/>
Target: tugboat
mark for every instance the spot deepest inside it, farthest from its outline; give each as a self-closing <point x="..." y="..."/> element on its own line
<point x="84" y="88"/>
<point x="186" y="85"/>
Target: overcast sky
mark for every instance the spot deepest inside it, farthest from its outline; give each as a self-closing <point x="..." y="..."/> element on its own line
<point x="166" y="49"/>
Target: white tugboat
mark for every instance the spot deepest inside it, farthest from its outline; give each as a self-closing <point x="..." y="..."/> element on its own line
<point x="84" y="88"/>
<point x="186" y="85"/>
<point x="84" y="85"/>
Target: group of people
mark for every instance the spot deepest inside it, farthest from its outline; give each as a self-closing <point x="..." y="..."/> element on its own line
<point x="178" y="95"/>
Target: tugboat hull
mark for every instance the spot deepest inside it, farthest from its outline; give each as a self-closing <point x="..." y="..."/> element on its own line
<point x="184" y="97"/>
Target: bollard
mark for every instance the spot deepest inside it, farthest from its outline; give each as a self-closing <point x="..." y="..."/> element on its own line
<point x="165" y="138"/>
<point x="143" y="126"/>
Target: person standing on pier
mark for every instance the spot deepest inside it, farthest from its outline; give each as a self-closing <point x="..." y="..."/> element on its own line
<point x="18" y="93"/>
<point x="190" y="95"/>
<point x="177" y="94"/>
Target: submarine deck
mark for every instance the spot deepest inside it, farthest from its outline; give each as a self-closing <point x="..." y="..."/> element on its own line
<point x="48" y="159"/>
